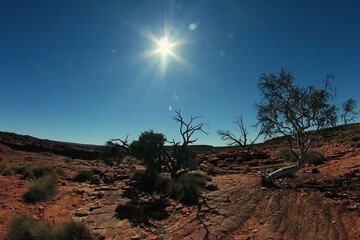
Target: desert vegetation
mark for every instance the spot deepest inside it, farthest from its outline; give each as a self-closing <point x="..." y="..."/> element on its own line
<point x="298" y="113"/>
<point x="156" y="188"/>
<point x="23" y="227"/>
<point x="159" y="162"/>
<point x="42" y="189"/>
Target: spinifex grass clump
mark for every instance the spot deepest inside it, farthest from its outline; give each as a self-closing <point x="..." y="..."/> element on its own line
<point x="149" y="181"/>
<point x="187" y="188"/>
<point x="39" y="172"/>
<point x="74" y="231"/>
<point x="42" y="189"/>
<point x="26" y="228"/>
<point x="20" y="169"/>
<point x="7" y="171"/>
<point x="83" y="176"/>
<point x="23" y="227"/>
<point x="311" y="157"/>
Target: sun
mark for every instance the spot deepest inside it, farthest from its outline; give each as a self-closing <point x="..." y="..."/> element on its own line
<point x="164" y="47"/>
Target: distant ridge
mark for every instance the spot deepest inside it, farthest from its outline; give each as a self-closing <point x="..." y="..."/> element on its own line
<point x="32" y="144"/>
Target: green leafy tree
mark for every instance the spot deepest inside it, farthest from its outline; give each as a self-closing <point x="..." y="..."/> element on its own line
<point x="149" y="148"/>
<point x="299" y="113"/>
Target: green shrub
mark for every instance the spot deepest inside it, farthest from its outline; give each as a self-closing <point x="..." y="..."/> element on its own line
<point x="187" y="188"/>
<point x="7" y="172"/>
<point x="2" y="167"/>
<point x="42" y="189"/>
<point x="19" y="169"/>
<point x="68" y="160"/>
<point x="210" y="171"/>
<point x="26" y="228"/>
<point x="60" y="171"/>
<point x="355" y="138"/>
<point x="37" y="172"/>
<point x="83" y="176"/>
<point x="311" y="157"/>
<point x="41" y="171"/>
<point x="149" y="181"/>
<point x="287" y="155"/>
<point x="75" y="231"/>
<point x="112" y="153"/>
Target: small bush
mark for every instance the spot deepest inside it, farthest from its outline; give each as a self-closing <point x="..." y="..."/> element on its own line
<point x="83" y="176"/>
<point x="2" y="167"/>
<point x="187" y="188"/>
<point x="7" y="172"/>
<point x="210" y="171"/>
<point x="26" y="228"/>
<point x="41" y="171"/>
<point x="112" y="153"/>
<point x="311" y="157"/>
<point x="37" y="172"/>
<point x="42" y="189"/>
<point x="287" y="155"/>
<point x="60" y="171"/>
<point x="149" y="181"/>
<point x="355" y="138"/>
<point x="75" y="231"/>
<point x="19" y="169"/>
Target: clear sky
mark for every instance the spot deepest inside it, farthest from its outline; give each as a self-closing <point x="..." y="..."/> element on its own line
<point x="90" y="70"/>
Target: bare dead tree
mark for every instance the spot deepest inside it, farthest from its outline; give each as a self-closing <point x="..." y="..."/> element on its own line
<point x="180" y="153"/>
<point x="124" y="143"/>
<point x="298" y="113"/>
<point x="243" y="139"/>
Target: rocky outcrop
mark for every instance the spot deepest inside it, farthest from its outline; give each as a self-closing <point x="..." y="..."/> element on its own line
<point x="31" y="144"/>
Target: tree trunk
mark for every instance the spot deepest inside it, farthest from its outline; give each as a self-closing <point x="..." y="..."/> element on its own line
<point x="270" y="177"/>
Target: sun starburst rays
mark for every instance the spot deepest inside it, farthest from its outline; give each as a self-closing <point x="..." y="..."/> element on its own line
<point x="165" y="46"/>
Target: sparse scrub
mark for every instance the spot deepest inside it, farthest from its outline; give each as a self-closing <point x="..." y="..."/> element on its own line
<point x="355" y="138"/>
<point x="2" y="167"/>
<point x="23" y="227"/>
<point x="74" y="231"/>
<point x="112" y="153"/>
<point x="42" y="189"/>
<point x="210" y="171"/>
<point x="7" y="172"/>
<point x="26" y="228"/>
<point x="68" y="160"/>
<point x="247" y="169"/>
<point x="187" y="188"/>
<point x="149" y="181"/>
<point x="19" y="169"/>
<point x="38" y="172"/>
<point x="83" y="176"/>
<point x="311" y="157"/>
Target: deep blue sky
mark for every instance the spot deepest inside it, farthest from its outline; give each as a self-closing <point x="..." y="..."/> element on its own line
<point x="74" y="70"/>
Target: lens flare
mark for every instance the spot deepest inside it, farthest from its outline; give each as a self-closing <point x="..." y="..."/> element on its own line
<point x="164" y="47"/>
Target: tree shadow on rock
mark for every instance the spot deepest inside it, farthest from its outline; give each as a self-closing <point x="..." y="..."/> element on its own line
<point x="143" y="211"/>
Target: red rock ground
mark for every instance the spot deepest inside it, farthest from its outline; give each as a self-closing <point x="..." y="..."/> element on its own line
<point x="324" y="205"/>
